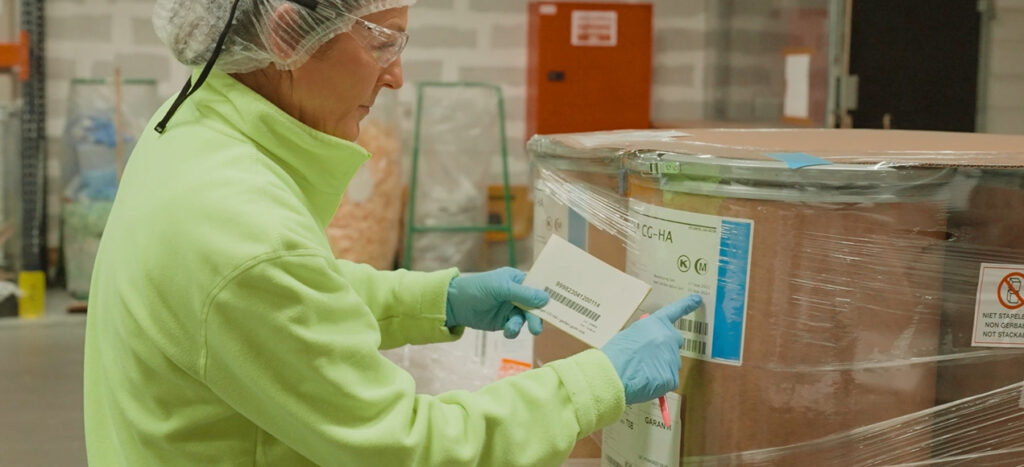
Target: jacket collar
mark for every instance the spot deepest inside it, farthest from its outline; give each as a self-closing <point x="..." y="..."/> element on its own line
<point x="322" y="165"/>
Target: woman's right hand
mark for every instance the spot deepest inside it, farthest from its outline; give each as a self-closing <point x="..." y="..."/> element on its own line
<point x="646" y="354"/>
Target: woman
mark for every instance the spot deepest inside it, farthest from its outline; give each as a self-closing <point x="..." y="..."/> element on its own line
<point x="222" y="330"/>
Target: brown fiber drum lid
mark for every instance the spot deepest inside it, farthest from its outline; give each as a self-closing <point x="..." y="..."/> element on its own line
<point x="887" y="147"/>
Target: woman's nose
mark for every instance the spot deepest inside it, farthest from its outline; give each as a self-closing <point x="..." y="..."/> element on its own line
<point x="391" y="77"/>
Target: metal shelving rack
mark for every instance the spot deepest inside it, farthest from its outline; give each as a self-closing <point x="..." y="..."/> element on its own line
<point x="411" y="227"/>
<point x="33" y="132"/>
<point x="26" y="57"/>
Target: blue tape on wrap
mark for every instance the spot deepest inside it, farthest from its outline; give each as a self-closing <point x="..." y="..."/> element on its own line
<point x="796" y="160"/>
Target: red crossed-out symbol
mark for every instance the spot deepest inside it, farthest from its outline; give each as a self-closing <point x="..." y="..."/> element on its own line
<point x="1010" y="289"/>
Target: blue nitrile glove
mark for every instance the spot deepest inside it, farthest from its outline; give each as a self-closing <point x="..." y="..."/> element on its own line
<point x="484" y="301"/>
<point x="646" y="354"/>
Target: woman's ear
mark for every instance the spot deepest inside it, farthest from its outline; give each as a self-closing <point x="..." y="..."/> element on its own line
<point x="284" y="34"/>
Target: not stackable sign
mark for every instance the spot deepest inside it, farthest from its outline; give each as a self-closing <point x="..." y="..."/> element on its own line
<point x="999" y="309"/>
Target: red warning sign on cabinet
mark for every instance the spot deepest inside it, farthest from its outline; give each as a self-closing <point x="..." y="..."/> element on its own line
<point x="999" y="306"/>
<point x="595" y="28"/>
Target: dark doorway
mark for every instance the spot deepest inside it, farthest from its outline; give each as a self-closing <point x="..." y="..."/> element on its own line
<point x="917" y="61"/>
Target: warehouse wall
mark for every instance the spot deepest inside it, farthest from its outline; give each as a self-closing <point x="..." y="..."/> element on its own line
<point x="746" y="40"/>
<point x="1002" y="107"/>
<point x="87" y="39"/>
<point x="479" y="40"/>
<point x="485" y="40"/>
<point x="451" y="40"/>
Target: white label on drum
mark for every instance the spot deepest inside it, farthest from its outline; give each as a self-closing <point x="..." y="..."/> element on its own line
<point x="640" y="438"/>
<point x="680" y="253"/>
<point x="999" y="307"/>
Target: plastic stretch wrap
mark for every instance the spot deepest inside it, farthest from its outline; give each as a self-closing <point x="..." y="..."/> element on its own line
<point x="467" y="364"/>
<point x="93" y="138"/>
<point x="367" y="226"/>
<point x="842" y="272"/>
<point x="459" y="138"/>
<point x="470" y="363"/>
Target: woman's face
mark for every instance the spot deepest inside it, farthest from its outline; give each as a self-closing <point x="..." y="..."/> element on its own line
<point x="334" y="90"/>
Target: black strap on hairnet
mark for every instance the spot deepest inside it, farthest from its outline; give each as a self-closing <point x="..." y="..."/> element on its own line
<point x="189" y="89"/>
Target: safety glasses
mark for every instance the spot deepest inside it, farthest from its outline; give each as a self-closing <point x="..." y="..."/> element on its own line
<point x="384" y="44"/>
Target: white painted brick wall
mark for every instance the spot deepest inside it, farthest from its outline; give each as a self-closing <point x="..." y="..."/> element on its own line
<point x="488" y="39"/>
<point x="477" y="40"/>
<point x="1004" y="104"/>
<point x="451" y="40"/>
<point x="88" y="38"/>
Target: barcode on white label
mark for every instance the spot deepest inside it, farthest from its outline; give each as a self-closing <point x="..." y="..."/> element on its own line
<point x="572" y="304"/>
<point x="689" y="325"/>
<point x="695" y="346"/>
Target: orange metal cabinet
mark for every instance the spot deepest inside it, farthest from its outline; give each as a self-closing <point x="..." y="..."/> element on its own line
<point x="589" y="67"/>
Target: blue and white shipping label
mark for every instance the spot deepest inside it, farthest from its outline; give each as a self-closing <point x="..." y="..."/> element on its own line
<point x="679" y="253"/>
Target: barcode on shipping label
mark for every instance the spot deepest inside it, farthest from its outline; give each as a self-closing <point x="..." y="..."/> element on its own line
<point x="689" y="325"/>
<point x="695" y="346"/>
<point x="572" y="304"/>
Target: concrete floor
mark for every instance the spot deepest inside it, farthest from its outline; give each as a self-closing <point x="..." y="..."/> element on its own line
<point x="41" y="389"/>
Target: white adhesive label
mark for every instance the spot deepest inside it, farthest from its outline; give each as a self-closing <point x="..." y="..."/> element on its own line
<point x="999" y="306"/>
<point x="640" y="438"/>
<point x="681" y="253"/>
<point x="590" y="300"/>
<point x="593" y="28"/>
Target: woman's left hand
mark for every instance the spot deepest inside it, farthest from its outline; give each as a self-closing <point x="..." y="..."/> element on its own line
<point x="487" y="301"/>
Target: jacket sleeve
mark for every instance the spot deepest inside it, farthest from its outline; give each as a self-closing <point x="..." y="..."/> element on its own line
<point x="409" y="306"/>
<point x="293" y="348"/>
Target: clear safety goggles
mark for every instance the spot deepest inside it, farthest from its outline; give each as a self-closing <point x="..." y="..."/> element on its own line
<point x="384" y="44"/>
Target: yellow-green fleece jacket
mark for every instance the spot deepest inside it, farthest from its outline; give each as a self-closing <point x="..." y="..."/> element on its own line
<point x="222" y="331"/>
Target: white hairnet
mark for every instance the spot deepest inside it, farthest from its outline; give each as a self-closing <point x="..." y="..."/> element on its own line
<point x="190" y="28"/>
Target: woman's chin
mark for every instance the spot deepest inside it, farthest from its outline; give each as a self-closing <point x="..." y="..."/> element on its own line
<point x="348" y="131"/>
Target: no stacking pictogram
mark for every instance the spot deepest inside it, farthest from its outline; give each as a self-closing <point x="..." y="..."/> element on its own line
<point x="1009" y="291"/>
